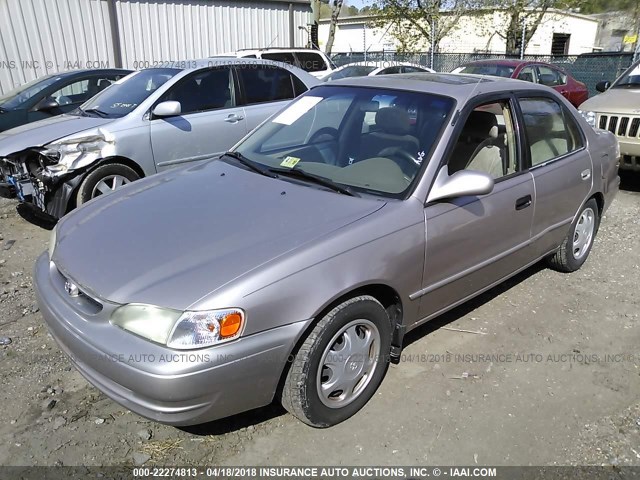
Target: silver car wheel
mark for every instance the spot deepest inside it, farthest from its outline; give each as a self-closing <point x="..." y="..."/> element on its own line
<point x="583" y="233"/>
<point x="109" y="184"/>
<point x="348" y="363"/>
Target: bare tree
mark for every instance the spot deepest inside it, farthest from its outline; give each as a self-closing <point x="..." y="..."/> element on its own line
<point x="336" y="6"/>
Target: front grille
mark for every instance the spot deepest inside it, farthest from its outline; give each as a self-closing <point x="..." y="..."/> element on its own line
<point x="627" y="127"/>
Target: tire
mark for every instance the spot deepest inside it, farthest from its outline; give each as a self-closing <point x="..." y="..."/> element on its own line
<point x="107" y="174"/>
<point x="361" y="370"/>
<point x="578" y="243"/>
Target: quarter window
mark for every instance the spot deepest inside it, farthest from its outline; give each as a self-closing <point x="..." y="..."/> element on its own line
<point x="551" y="130"/>
<point x="266" y="83"/>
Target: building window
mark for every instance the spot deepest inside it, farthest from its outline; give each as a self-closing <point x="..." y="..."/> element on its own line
<point x="560" y="44"/>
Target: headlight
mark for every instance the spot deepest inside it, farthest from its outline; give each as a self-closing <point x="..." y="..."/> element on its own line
<point x="590" y="117"/>
<point x="52" y="241"/>
<point x="180" y="330"/>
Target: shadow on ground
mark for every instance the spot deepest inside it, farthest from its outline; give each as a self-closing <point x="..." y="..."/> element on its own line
<point x="630" y="181"/>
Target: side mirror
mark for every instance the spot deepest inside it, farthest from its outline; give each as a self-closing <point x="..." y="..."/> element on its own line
<point x="603" y="85"/>
<point x="460" y="184"/>
<point x="46" y="104"/>
<point x="167" y="109"/>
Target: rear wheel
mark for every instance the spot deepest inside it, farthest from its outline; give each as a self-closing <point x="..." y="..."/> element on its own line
<point x="577" y="245"/>
<point x="103" y="180"/>
<point x="340" y="365"/>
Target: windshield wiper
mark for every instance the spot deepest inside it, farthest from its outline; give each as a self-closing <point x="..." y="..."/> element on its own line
<point x="97" y="111"/>
<point x="255" y="166"/>
<point x="323" y="181"/>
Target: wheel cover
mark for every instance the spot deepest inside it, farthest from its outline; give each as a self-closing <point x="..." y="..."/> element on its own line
<point x="108" y="184"/>
<point x="348" y="363"/>
<point x="583" y="233"/>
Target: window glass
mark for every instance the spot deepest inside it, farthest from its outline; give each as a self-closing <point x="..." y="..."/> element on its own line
<point x="548" y="76"/>
<point x="322" y="134"/>
<point x="527" y="74"/>
<point x="126" y="94"/>
<point x="204" y="90"/>
<point x="310" y="62"/>
<point x="551" y="130"/>
<point x="389" y="71"/>
<point x="487" y="142"/>
<point x="350" y="71"/>
<point x="487" y="69"/>
<point x="413" y="69"/>
<point x="18" y="96"/>
<point x="264" y="83"/>
<point x="285" y="57"/>
<point x="75" y="92"/>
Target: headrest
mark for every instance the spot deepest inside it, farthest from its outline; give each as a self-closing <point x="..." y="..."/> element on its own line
<point x="393" y="120"/>
<point x="481" y="125"/>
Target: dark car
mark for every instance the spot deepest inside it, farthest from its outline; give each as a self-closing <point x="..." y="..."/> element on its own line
<point x="537" y="72"/>
<point x="53" y="95"/>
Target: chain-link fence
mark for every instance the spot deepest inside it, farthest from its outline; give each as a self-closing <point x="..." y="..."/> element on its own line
<point x="588" y="68"/>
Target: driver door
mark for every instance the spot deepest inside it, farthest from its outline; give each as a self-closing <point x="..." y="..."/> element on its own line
<point x="475" y="242"/>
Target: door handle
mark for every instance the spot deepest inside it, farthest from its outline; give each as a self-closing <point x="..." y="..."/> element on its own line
<point x="585" y="175"/>
<point x="523" y="202"/>
<point x="233" y="118"/>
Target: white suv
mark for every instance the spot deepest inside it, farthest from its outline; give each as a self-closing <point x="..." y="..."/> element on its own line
<point x="313" y="61"/>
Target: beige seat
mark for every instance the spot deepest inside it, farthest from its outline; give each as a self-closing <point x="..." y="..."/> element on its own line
<point x="392" y="132"/>
<point x="545" y="144"/>
<point x="489" y="156"/>
<point x="475" y="132"/>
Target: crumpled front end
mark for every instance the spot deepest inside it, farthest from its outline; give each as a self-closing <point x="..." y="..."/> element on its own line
<point x="45" y="177"/>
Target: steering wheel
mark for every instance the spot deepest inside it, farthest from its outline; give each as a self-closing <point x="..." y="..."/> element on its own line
<point x="328" y="131"/>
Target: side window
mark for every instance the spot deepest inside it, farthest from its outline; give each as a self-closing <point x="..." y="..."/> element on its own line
<point x="551" y="130"/>
<point x="548" y="76"/>
<point x="204" y="90"/>
<point x="266" y="84"/>
<point x="487" y="142"/>
<point x="412" y="70"/>
<point x="310" y="62"/>
<point x="73" y="93"/>
<point x="285" y="57"/>
<point x="527" y="74"/>
<point x="389" y="71"/>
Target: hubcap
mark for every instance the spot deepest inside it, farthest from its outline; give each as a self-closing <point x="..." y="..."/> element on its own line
<point x="583" y="235"/>
<point x="348" y="363"/>
<point x="109" y="184"/>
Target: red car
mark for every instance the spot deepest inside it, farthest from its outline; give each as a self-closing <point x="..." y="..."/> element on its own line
<point x="537" y="72"/>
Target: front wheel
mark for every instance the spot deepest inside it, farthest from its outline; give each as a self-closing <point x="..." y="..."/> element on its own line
<point x="578" y="243"/>
<point x="340" y="365"/>
<point x="105" y="179"/>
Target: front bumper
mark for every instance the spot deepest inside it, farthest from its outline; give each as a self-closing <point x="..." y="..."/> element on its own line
<point x="168" y="386"/>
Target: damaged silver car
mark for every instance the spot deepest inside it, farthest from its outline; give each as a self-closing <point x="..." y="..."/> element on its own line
<point x="148" y="122"/>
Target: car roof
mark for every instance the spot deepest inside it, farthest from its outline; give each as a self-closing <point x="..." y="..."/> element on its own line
<point x="459" y="86"/>
<point x="88" y="71"/>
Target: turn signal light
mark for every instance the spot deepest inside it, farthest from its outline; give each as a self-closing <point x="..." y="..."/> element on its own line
<point x="230" y="325"/>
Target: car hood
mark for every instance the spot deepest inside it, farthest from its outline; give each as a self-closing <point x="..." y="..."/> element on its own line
<point x="615" y="100"/>
<point x="45" y="131"/>
<point x="173" y="238"/>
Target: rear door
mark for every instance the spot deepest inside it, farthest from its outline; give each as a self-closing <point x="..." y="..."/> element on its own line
<point x="475" y="242"/>
<point x="560" y="164"/>
<point x="211" y="122"/>
<point x="265" y="89"/>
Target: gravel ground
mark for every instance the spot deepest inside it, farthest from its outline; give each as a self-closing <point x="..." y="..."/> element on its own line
<point x="564" y="391"/>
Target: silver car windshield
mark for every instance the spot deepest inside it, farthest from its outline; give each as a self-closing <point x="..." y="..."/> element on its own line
<point x="125" y="95"/>
<point x="374" y="141"/>
<point x="629" y="79"/>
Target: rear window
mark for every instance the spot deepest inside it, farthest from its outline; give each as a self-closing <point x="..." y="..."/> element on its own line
<point x="284" y="57"/>
<point x="488" y="69"/>
<point x="310" y="62"/>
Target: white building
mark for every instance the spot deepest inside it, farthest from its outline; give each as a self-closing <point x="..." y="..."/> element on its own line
<point x="38" y="37"/>
<point x="569" y="32"/>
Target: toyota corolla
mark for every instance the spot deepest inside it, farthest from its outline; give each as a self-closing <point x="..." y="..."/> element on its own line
<point x="297" y="261"/>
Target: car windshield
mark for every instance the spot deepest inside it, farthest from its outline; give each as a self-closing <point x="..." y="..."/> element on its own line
<point x="16" y="97"/>
<point x="629" y="79"/>
<point x="351" y="71"/>
<point x="125" y="95"/>
<point x="487" y="69"/>
<point x="371" y="141"/>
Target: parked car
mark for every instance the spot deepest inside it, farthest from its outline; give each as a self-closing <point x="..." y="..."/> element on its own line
<point x="148" y="122"/>
<point x="617" y="110"/>
<point x="310" y="60"/>
<point x="53" y="95"/>
<point x="363" y="69"/>
<point x="537" y="72"/>
<point x="293" y="266"/>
